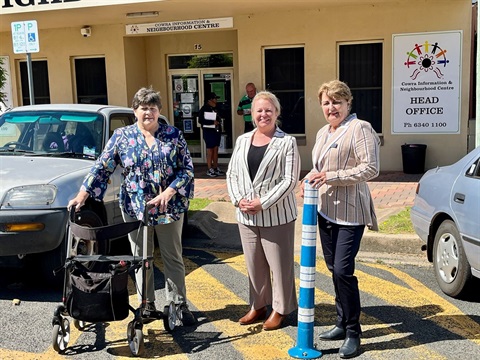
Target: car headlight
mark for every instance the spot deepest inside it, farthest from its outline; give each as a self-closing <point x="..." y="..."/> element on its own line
<point x="30" y="195"/>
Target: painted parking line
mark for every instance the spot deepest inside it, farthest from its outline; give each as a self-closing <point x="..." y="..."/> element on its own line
<point x="388" y="327"/>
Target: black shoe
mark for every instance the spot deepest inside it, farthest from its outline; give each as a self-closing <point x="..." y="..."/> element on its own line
<point x="350" y="348"/>
<point x="335" y="333"/>
<point x="218" y="172"/>
<point x="188" y="319"/>
<point x="211" y="173"/>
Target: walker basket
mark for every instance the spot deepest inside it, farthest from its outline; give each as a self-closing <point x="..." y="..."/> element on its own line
<point x="96" y="296"/>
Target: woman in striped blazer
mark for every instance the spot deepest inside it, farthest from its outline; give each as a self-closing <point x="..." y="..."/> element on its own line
<point x="345" y="156"/>
<point x="261" y="178"/>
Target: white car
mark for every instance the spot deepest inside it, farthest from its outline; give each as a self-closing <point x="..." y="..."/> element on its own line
<point x="45" y="153"/>
<point x="446" y="215"/>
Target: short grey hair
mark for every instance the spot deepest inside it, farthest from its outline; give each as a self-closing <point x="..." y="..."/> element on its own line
<point x="146" y="96"/>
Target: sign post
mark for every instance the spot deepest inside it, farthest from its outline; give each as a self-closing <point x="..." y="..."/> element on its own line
<point x="25" y="40"/>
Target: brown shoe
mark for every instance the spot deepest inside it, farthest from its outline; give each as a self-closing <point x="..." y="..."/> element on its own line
<point x="274" y="321"/>
<point x="253" y="315"/>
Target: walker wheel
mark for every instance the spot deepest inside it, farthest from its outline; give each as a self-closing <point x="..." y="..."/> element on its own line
<point x="61" y="335"/>
<point x="135" y="338"/>
<point x="79" y="324"/>
<point x="169" y="317"/>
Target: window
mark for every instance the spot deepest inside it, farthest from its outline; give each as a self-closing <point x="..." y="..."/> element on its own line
<point x="361" y="68"/>
<point x="285" y="77"/>
<point x="120" y="120"/>
<point x="41" y="89"/>
<point x="91" y="81"/>
<point x="200" y="61"/>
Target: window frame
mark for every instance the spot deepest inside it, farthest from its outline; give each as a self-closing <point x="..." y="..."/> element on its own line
<point x="78" y="97"/>
<point x="381" y="87"/>
<point x="277" y="92"/>
<point x="38" y="98"/>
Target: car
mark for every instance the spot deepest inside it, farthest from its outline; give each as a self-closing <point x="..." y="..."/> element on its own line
<point x="446" y="216"/>
<point x="45" y="153"/>
<point x="162" y="119"/>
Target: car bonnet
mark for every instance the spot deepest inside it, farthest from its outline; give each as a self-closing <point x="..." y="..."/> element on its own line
<point x="28" y="170"/>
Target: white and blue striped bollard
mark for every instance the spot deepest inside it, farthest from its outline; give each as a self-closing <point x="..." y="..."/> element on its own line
<point x="304" y="348"/>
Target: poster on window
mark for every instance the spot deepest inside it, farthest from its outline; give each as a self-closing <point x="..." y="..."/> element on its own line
<point x="178" y="84"/>
<point x="188" y="125"/>
<point x="426" y="80"/>
<point x="187" y="110"/>
<point x="192" y="85"/>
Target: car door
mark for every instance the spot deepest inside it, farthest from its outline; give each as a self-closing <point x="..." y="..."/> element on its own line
<point x="465" y="203"/>
<point x="112" y="195"/>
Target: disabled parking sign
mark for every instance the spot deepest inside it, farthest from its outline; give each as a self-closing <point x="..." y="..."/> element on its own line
<point x="25" y="37"/>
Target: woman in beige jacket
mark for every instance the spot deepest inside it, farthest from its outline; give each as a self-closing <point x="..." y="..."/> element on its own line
<point x="345" y="156"/>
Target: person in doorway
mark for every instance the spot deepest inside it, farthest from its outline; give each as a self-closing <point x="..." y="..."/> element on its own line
<point x="345" y="156"/>
<point x="261" y="178"/>
<point x="210" y="122"/>
<point x="158" y="174"/>
<point x="245" y="105"/>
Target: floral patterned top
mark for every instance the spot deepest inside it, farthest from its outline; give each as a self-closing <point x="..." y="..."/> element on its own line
<point x="146" y="171"/>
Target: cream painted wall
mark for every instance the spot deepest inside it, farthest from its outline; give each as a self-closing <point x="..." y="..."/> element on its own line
<point x="320" y="31"/>
<point x="136" y="63"/>
<point x="60" y="46"/>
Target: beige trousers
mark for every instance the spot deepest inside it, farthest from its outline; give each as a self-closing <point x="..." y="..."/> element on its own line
<point x="270" y="265"/>
<point x="170" y="244"/>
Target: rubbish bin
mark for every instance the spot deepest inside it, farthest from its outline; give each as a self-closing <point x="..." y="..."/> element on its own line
<point x="413" y="157"/>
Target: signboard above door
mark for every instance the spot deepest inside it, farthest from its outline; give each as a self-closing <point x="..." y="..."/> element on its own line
<point x="179" y="26"/>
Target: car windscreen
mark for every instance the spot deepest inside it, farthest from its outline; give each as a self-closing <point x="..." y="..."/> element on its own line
<point x="47" y="132"/>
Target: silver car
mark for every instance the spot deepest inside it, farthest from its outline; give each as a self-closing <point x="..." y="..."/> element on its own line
<point x="45" y="153"/>
<point x="446" y="215"/>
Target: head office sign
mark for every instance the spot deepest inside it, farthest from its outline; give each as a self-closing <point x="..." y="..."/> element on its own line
<point x="25" y="37"/>
<point x="426" y="83"/>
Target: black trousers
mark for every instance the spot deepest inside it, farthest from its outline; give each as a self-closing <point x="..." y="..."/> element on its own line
<point x="340" y="245"/>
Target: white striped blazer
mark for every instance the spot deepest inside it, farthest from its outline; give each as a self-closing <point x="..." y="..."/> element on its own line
<point x="274" y="183"/>
<point x="350" y="157"/>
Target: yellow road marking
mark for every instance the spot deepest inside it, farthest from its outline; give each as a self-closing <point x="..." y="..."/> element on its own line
<point x="446" y="315"/>
<point x="222" y="308"/>
<point x="158" y="342"/>
<point x="421" y="351"/>
<point x="219" y="303"/>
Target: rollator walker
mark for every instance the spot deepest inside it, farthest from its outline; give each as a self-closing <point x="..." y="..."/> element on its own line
<point x="95" y="286"/>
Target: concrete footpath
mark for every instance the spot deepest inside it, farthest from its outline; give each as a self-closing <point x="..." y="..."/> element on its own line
<point x="215" y="226"/>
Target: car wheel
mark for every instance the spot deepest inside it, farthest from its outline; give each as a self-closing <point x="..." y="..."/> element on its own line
<point x="452" y="269"/>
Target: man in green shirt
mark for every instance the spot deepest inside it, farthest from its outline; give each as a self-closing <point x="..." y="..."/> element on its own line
<point x="245" y="105"/>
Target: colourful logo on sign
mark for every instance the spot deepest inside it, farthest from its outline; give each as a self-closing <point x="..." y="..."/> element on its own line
<point x="426" y="57"/>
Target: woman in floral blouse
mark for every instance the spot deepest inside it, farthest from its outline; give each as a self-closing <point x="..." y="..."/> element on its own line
<point x="158" y="172"/>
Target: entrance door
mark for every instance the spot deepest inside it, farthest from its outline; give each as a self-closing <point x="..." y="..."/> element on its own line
<point x="189" y="89"/>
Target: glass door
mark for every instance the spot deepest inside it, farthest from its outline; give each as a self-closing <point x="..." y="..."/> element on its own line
<point x="221" y="84"/>
<point x="185" y="106"/>
<point x="189" y="89"/>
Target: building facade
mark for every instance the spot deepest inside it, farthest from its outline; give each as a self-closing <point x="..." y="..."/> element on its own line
<point x="409" y="63"/>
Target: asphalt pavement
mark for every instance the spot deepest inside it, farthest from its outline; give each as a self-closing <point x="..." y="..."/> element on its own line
<point x="215" y="226"/>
